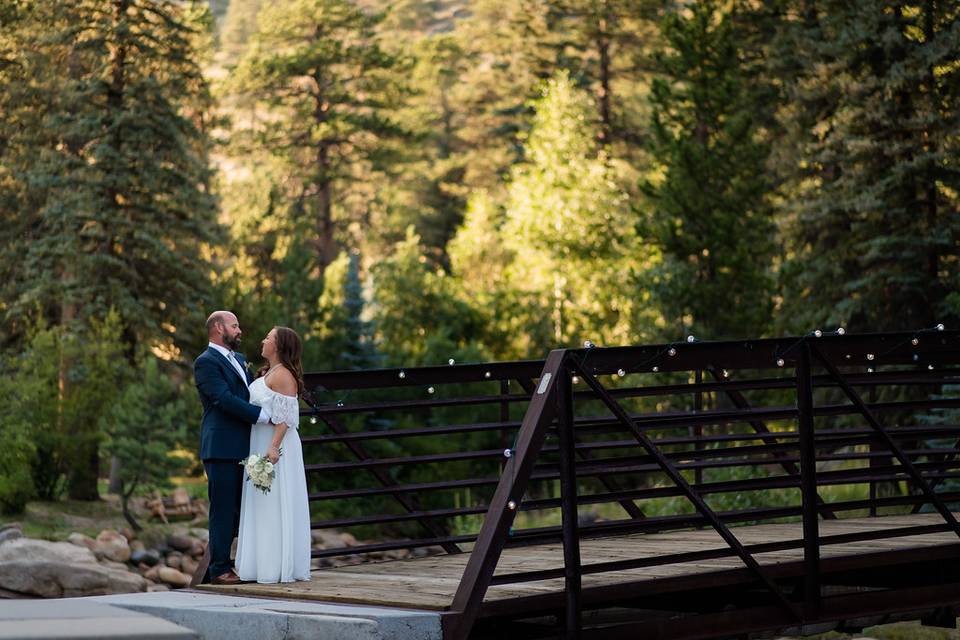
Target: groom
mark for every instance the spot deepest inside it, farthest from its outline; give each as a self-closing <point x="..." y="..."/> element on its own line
<point x="223" y="380"/>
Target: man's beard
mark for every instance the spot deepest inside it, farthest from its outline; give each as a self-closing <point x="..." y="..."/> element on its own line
<point x="233" y="343"/>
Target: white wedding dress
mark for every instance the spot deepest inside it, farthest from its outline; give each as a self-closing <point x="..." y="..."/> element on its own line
<point x="274" y="539"/>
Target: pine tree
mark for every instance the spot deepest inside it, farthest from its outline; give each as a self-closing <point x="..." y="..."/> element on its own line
<point x="710" y="213"/>
<point x="320" y="89"/>
<point x="567" y="225"/>
<point x="347" y="337"/>
<point x="872" y="207"/>
<point x="106" y="142"/>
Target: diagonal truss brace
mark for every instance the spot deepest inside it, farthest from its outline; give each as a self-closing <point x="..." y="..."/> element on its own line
<point x="674" y="474"/>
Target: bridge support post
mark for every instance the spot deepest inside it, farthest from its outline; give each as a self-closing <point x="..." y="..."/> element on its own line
<point x="808" y="480"/>
<point x="568" y="500"/>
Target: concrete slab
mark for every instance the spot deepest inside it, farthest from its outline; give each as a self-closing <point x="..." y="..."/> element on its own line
<point x="58" y="619"/>
<point x="220" y="617"/>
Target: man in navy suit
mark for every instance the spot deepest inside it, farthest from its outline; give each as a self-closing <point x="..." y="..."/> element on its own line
<point x="223" y="382"/>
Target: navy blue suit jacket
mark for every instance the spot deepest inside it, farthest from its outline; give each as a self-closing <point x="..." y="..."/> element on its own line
<point x="227" y="412"/>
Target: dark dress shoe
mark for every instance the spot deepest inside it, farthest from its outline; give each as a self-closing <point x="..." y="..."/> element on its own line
<point x="227" y="578"/>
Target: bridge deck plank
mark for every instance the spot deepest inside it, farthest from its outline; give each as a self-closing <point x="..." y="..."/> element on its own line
<point x="429" y="583"/>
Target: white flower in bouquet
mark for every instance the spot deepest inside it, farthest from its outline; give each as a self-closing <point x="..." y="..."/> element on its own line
<point x="260" y="471"/>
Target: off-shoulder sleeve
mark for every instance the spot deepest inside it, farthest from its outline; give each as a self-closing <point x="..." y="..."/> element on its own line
<point x="285" y="409"/>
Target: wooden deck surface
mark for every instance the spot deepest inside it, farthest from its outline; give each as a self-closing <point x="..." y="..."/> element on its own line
<point x="430" y="583"/>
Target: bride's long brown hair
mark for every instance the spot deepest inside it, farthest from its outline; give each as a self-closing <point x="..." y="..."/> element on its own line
<point x="289" y="353"/>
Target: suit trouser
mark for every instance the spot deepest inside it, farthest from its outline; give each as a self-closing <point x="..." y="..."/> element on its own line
<point x="224" y="488"/>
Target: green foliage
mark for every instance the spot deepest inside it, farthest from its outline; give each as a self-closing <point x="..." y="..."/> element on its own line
<point x="347" y="338"/>
<point x="64" y="381"/>
<point x="710" y="213"/>
<point x="873" y="191"/>
<point x="142" y="428"/>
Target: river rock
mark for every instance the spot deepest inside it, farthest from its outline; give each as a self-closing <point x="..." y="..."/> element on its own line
<point x="181" y="543"/>
<point x="173" y="577"/>
<point x="174" y="558"/>
<point x="148" y="557"/>
<point x="39" y="568"/>
<point x="82" y="540"/>
<point x="113" y="546"/>
<point x="188" y="565"/>
<point x="10" y="533"/>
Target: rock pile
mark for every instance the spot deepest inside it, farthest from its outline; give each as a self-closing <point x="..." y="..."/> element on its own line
<point x="113" y="562"/>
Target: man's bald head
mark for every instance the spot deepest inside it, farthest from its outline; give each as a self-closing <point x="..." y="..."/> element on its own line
<point x="223" y="328"/>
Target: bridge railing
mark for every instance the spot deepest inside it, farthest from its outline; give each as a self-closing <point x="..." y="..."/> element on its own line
<point x="613" y="441"/>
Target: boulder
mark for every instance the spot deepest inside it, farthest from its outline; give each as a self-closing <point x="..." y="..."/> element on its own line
<point x="202" y="535"/>
<point x="173" y="577"/>
<point x="323" y="539"/>
<point x="181" y="543"/>
<point x="188" y="565"/>
<point x="10" y="533"/>
<point x="48" y="579"/>
<point x="82" y="540"/>
<point x="113" y="546"/>
<point x="148" y="557"/>
<point x="30" y="550"/>
<point x="174" y="558"/>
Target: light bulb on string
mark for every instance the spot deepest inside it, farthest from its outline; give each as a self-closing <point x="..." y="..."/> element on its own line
<point x="780" y="362"/>
<point x="621" y="372"/>
<point x="511" y="505"/>
<point x="691" y="339"/>
<point x="402" y="374"/>
<point x="940" y="327"/>
<point x="818" y="333"/>
<point x="930" y="367"/>
<point x="507" y="453"/>
<point x="672" y="352"/>
<point x="915" y="357"/>
<point x="915" y="341"/>
<point x="575" y="380"/>
<point x="841" y="331"/>
<point x="339" y="403"/>
<point x="313" y="419"/>
<point x="451" y="362"/>
<point x="870" y="356"/>
<point x="655" y="369"/>
<point x="869" y="369"/>
<point x="430" y="389"/>
<point x="726" y="374"/>
<point x="587" y="344"/>
<point x="486" y="374"/>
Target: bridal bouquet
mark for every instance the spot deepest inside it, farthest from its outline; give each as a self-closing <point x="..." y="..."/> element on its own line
<point x="260" y="471"/>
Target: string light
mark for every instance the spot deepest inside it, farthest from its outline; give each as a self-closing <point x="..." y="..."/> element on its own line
<point x="726" y="374"/>
<point x="940" y="327"/>
<point x="818" y="333"/>
<point x="870" y="356"/>
<point x="402" y="375"/>
<point x="869" y="369"/>
<point x="511" y="505"/>
<point x="672" y="352"/>
<point x="915" y="357"/>
<point x="780" y="362"/>
<point x="587" y="344"/>
<point x="451" y="361"/>
<point x="841" y="331"/>
<point x="339" y="403"/>
<point x="655" y="369"/>
<point x="575" y="380"/>
<point x="621" y="372"/>
<point x="430" y="389"/>
<point x="930" y="366"/>
<point x="691" y="339"/>
<point x="507" y="453"/>
<point x="313" y="419"/>
<point x="486" y="374"/>
<point x="915" y="341"/>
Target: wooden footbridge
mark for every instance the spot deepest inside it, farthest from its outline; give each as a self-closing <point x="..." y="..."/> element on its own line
<point x="687" y="490"/>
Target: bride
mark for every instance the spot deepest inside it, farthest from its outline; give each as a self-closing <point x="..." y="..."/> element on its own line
<point x="274" y="538"/>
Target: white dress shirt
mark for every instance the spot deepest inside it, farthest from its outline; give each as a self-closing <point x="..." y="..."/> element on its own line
<point x="228" y="354"/>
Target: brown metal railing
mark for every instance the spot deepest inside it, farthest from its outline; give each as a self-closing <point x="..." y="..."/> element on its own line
<point x="416" y="458"/>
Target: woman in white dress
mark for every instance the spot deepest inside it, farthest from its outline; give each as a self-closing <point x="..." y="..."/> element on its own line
<point x="274" y="539"/>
